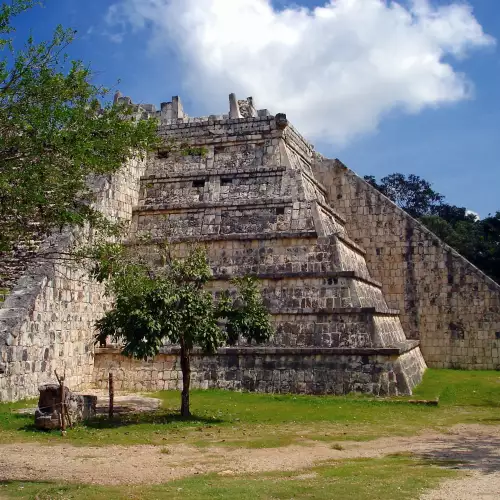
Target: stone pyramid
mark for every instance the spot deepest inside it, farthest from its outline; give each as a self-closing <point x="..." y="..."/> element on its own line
<point x="243" y="184"/>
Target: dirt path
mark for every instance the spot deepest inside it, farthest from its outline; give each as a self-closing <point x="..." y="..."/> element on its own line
<point x="478" y="447"/>
<point x="476" y="486"/>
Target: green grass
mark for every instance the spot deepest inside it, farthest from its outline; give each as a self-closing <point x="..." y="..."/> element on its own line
<point x="375" y="479"/>
<point x="4" y="292"/>
<point x="226" y="418"/>
<point x="265" y="420"/>
<point x="461" y="388"/>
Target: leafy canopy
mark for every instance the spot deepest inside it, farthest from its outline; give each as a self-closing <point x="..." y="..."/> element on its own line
<point x="54" y="133"/>
<point x="173" y="304"/>
<point x="413" y="194"/>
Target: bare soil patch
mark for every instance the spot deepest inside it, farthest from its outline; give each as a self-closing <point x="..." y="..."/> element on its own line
<point x="476" y="486"/>
<point x="471" y="447"/>
<point x="479" y="450"/>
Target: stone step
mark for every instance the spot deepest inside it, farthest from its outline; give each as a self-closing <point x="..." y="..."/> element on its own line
<point x="327" y="311"/>
<point x="305" y="275"/>
<point x="201" y="205"/>
<point x="400" y="348"/>
<point x="197" y="174"/>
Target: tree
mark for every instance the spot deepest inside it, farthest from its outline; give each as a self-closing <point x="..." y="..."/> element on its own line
<point x="170" y="303"/>
<point x="413" y="194"/>
<point x="488" y="256"/>
<point x="54" y="133"/>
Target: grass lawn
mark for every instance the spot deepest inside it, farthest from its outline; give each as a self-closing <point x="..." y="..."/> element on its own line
<point x="364" y="479"/>
<point x="265" y="420"/>
<point x="228" y="418"/>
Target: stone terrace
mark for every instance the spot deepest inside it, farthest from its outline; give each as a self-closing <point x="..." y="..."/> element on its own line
<point x="244" y="186"/>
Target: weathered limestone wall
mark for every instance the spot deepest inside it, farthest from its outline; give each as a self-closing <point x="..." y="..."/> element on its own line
<point x="303" y="371"/>
<point x="47" y="319"/>
<point x="445" y="301"/>
<point x="245" y="187"/>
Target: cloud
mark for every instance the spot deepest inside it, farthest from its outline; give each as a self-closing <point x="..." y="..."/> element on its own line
<point x="115" y="37"/>
<point x="474" y="214"/>
<point x="336" y="70"/>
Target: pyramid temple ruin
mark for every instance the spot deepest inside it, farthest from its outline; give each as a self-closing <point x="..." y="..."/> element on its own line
<point x="363" y="297"/>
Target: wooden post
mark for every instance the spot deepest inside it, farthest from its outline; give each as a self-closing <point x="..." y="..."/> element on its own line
<point x="111" y="395"/>
<point x="62" y="412"/>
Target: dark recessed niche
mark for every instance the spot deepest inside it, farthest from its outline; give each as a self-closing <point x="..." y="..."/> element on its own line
<point x="457" y="331"/>
<point x="199" y="183"/>
<point x="163" y="154"/>
<point x="280" y="211"/>
<point x="226" y="181"/>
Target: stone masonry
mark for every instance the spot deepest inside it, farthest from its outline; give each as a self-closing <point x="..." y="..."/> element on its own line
<point x="337" y="262"/>
<point x="445" y="301"/>
<point x="47" y="318"/>
<point x="244" y="187"/>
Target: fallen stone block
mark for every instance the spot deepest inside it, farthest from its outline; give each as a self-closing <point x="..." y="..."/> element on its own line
<point x="77" y="407"/>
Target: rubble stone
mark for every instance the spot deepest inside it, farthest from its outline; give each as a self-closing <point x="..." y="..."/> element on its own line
<point x="77" y="407"/>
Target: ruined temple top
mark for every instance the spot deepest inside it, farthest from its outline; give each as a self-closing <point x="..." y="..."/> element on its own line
<point x="172" y="112"/>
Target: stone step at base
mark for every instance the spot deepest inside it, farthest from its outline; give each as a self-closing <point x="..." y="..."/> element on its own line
<point x="382" y="371"/>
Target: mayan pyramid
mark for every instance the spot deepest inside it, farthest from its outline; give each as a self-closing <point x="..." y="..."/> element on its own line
<point x="243" y="185"/>
<point x="359" y="291"/>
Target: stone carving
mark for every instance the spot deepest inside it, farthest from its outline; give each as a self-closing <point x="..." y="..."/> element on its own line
<point x="48" y="412"/>
<point x="246" y="108"/>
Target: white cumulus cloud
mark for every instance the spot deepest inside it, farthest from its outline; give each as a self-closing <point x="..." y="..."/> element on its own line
<point x="336" y="70"/>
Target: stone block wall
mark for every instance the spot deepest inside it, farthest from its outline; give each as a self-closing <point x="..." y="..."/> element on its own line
<point x="274" y="370"/>
<point x="445" y="301"/>
<point x="272" y="216"/>
<point x="47" y="320"/>
<point x="46" y="324"/>
<point x="246" y="189"/>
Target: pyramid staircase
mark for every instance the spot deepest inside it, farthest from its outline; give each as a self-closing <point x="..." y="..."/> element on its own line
<point x="242" y="184"/>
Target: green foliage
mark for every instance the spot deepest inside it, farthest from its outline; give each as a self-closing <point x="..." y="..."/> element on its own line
<point x="476" y="239"/>
<point x="171" y="303"/>
<point x="154" y="305"/>
<point x="194" y="151"/>
<point x="54" y="133"/>
<point x="246" y="316"/>
<point x="184" y="149"/>
<point x="413" y="194"/>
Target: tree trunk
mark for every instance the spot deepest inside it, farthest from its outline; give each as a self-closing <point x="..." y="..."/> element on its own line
<point x="186" y="380"/>
<point x="111" y="396"/>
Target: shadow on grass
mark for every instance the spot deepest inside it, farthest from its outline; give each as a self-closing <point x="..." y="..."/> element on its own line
<point x="123" y="420"/>
<point x="148" y="418"/>
<point x="481" y="453"/>
<point x="46" y="490"/>
<point x="490" y="420"/>
<point x="13" y="482"/>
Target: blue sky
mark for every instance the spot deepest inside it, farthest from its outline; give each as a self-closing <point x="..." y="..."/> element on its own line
<point x="454" y="143"/>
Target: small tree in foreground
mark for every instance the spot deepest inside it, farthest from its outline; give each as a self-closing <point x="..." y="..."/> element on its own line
<point x="172" y="304"/>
